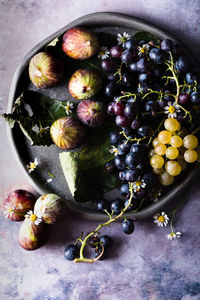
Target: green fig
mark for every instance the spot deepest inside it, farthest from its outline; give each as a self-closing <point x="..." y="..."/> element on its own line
<point x="84" y="84"/>
<point x="50" y="207"/>
<point x="32" y="233"/>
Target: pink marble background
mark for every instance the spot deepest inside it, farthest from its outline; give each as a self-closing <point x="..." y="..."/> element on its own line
<point x="143" y="266"/>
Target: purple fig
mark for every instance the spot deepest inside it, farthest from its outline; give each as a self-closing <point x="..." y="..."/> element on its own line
<point x="45" y="70"/>
<point x="67" y="133"/>
<point x="17" y="204"/>
<point x="32" y="233"/>
<point x="80" y="43"/>
<point x="91" y="113"/>
<point x="84" y="84"/>
<point x="50" y="207"/>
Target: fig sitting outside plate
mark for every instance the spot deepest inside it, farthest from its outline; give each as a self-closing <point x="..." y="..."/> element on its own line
<point x="50" y="207"/>
<point x="45" y="70"/>
<point x="67" y="133"/>
<point x="32" y="233"/>
<point x="17" y="204"/>
<point x="84" y="84"/>
<point x="91" y="113"/>
<point x="80" y="43"/>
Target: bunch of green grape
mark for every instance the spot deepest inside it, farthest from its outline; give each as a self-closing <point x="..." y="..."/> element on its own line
<point x="172" y="152"/>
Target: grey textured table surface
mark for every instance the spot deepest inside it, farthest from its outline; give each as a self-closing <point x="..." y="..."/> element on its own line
<point x="143" y="266"/>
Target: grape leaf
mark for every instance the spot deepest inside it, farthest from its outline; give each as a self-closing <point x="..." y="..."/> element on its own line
<point x="147" y="37"/>
<point x="85" y="183"/>
<point x="34" y="109"/>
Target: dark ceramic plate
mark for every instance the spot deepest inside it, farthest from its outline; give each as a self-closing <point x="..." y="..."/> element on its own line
<point x="48" y="156"/>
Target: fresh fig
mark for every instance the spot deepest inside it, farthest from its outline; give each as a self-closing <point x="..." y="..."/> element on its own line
<point x="50" y="207"/>
<point x="17" y="204"/>
<point x="32" y="236"/>
<point x="80" y="43"/>
<point x="67" y="133"/>
<point x="45" y="70"/>
<point x="84" y="84"/>
<point x="91" y="113"/>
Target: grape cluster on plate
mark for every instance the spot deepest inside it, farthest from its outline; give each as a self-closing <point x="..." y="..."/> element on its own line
<point x="154" y="95"/>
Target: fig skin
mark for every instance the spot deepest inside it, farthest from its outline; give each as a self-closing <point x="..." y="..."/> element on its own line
<point x="32" y="236"/>
<point x="80" y="43"/>
<point x="50" y="207"/>
<point x="45" y="70"/>
<point x="17" y="204"/>
<point x="67" y="133"/>
<point x="91" y="113"/>
<point x="84" y="84"/>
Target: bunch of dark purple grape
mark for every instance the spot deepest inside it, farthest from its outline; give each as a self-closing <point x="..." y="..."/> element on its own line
<point x="139" y="89"/>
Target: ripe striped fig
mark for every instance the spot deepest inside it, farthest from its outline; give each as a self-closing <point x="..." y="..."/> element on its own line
<point x="32" y="236"/>
<point x="45" y="70"/>
<point x="67" y="133"/>
<point x="91" y="113"/>
<point x="17" y="204"/>
<point x="50" y="207"/>
<point x="80" y="43"/>
<point x="84" y="84"/>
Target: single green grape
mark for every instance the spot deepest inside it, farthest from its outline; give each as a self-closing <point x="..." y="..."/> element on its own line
<point x="190" y="141"/>
<point x="173" y="167"/>
<point x="172" y="152"/>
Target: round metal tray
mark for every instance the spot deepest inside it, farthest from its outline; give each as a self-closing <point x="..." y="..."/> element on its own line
<point x="49" y="156"/>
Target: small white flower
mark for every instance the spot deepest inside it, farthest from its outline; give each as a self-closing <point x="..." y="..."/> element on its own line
<point x="156" y="195"/>
<point x="33" y="217"/>
<point x="172" y="109"/>
<point x="49" y="180"/>
<point x="103" y="53"/>
<point x="36" y="128"/>
<point x="69" y="107"/>
<point x="9" y="208"/>
<point x="161" y="219"/>
<point x="174" y="235"/>
<point x="123" y="38"/>
<point x="138" y="185"/>
<point x="144" y="50"/>
<point x="113" y="150"/>
<point x="32" y="165"/>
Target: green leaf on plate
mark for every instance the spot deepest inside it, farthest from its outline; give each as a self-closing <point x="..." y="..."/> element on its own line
<point x="34" y="109"/>
<point x="85" y="183"/>
<point x="147" y="36"/>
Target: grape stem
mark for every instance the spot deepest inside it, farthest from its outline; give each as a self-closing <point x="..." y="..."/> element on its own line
<point x="96" y="231"/>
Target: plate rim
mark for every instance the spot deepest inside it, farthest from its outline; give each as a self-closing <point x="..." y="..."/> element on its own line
<point x="93" y="19"/>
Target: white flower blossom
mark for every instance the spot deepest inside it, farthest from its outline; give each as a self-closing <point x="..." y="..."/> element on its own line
<point x="8" y="210"/>
<point x="69" y="107"/>
<point x="103" y="53"/>
<point x="161" y="219"/>
<point x="123" y="38"/>
<point x="138" y="185"/>
<point x="49" y="180"/>
<point x="32" y="165"/>
<point x="114" y="150"/>
<point x="144" y="50"/>
<point x="33" y="217"/>
<point x="174" y="235"/>
<point x="172" y="109"/>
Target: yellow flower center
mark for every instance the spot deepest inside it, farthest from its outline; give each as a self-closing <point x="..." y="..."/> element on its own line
<point x="33" y="217"/>
<point x="32" y="165"/>
<point x="67" y="108"/>
<point x="10" y="209"/>
<point x="161" y="219"/>
<point x="171" y="109"/>
<point x="101" y="52"/>
<point x="138" y="183"/>
<point x="142" y="50"/>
